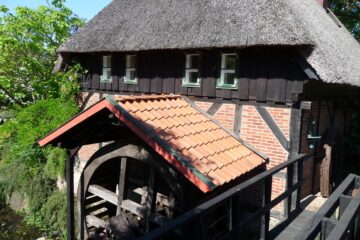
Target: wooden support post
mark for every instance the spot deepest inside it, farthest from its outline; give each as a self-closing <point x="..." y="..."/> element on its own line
<point x="70" y="193"/>
<point x="299" y="182"/>
<point x="237" y="120"/>
<point x="150" y="199"/>
<point x="290" y="182"/>
<point x="170" y="214"/>
<point x="121" y="185"/>
<point x="266" y="217"/>
<point x="344" y="202"/>
<point x="327" y="225"/>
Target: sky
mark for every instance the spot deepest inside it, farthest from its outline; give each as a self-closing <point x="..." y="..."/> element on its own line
<point x="83" y="8"/>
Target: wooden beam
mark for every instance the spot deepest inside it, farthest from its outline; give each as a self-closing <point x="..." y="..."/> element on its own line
<point x="121" y="185"/>
<point x="237" y="119"/>
<point x="104" y="194"/>
<point x="213" y="108"/>
<point x="308" y="70"/>
<point x="150" y="199"/>
<point x="265" y="115"/>
<point x="327" y="225"/>
<point x="161" y="198"/>
<point x="70" y="193"/>
<point x="94" y="221"/>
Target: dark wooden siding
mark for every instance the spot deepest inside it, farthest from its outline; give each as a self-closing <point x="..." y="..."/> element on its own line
<point x="264" y="74"/>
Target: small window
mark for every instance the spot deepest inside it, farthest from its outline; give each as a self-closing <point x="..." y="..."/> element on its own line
<point x="192" y="70"/>
<point x="228" y="71"/>
<point x="130" y="75"/>
<point x="106" y="70"/>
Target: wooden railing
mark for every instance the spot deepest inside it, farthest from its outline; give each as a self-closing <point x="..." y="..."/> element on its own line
<point x="291" y="196"/>
<point x="339" y="217"/>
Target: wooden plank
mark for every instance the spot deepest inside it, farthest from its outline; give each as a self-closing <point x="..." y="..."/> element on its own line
<point x="265" y="115"/>
<point x="213" y="109"/>
<point x="104" y="193"/>
<point x="327" y="225"/>
<point x="161" y="198"/>
<point x="210" y="72"/>
<point x="150" y="199"/>
<point x="261" y="88"/>
<point x="276" y="90"/>
<point x="70" y="221"/>
<point x="265" y="219"/>
<point x="94" y="221"/>
<point x="121" y="185"/>
<point x="134" y="208"/>
<point x="237" y="119"/>
<point x="344" y="202"/>
<point x="289" y="182"/>
<point x="226" y="93"/>
<point x="252" y="89"/>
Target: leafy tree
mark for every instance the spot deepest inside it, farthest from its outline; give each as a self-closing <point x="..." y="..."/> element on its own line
<point x="348" y="11"/>
<point x="28" y="42"/>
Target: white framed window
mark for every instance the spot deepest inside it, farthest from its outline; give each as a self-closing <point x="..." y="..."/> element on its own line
<point x="106" y="69"/>
<point x="228" y="71"/>
<point x="192" y="77"/>
<point x="130" y="72"/>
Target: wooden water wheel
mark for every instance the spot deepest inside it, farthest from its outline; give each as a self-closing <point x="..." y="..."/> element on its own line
<point x="126" y="190"/>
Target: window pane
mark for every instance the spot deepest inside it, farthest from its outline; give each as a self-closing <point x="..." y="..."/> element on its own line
<point x="229" y="78"/>
<point x="130" y="61"/>
<point x="230" y="61"/>
<point x="193" y="77"/>
<point x="106" y="74"/>
<point x="194" y="61"/>
<point x="132" y="75"/>
<point x="106" y="61"/>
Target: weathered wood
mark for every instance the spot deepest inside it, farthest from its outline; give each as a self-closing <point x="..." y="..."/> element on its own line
<point x="262" y="76"/>
<point x="70" y="193"/>
<point x="327" y="225"/>
<point x="265" y="219"/>
<point x="343" y="203"/>
<point x="94" y="221"/>
<point x="213" y="108"/>
<point x="265" y="115"/>
<point x="237" y="119"/>
<point x="121" y="184"/>
<point x="289" y="183"/>
<point x="325" y="187"/>
<point x="104" y="194"/>
<point x="150" y="199"/>
<point x="160" y="198"/>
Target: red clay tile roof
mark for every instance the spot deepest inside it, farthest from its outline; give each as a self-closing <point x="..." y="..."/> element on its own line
<point x="193" y="136"/>
<point x="183" y="135"/>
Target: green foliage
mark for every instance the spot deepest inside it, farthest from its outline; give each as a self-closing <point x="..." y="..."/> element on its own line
<point x="54" y="212"/>
<point x="55" y="166"/>
<point x="28" y="169"/>
<point x="28" y="42"/>
<point x="348" y="11"/>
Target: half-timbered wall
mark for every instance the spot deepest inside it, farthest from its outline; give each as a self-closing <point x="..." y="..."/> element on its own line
<point x="263" y="74"/>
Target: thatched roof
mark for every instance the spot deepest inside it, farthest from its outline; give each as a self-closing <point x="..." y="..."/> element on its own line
<point x="134" y="25"/>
